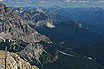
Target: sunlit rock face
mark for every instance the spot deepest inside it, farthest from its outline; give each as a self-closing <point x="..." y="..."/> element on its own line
<point x="14" y="61"/>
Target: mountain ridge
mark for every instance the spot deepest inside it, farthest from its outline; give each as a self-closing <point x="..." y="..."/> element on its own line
<point x="14" y="32"/>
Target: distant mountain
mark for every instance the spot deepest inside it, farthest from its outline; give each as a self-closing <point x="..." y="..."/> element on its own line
<point x="38" y="18"/>
<point x="86" y="15"/>
<point x="90" y="18"/>
<point x="54" y="16"/>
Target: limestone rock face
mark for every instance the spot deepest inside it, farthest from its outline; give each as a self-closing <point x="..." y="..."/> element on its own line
<point x="14" y="62"/>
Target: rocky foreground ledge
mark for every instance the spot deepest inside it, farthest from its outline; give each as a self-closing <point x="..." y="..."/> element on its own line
<point x="14" y="62"/>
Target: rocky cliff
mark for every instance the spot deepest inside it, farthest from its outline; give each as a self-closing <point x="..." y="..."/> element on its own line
<point x="14" y="62"/>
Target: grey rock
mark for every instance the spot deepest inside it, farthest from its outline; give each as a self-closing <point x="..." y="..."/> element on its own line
<point x="14" y="29"/>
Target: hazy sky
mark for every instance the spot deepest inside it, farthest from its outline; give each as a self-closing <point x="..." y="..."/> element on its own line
<point x="49" y="3"/>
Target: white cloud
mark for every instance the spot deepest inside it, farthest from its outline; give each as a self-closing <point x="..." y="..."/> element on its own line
<point x="101" y="1"/>
<point x="67" y="1"/>
<point x="29" y="5"/>
<point x="73" y="1"/>
<point x="1" y="0"/>
<point x="83" y="1"/>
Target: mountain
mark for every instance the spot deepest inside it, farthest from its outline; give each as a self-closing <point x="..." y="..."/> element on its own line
<point x="65" y="35"/>
<point x="19" y="37"/>
<point x="90" y="18"/>
<point x="88" y="15"/>
<point x="38" y="17"/>
<point x="22" y="34"/>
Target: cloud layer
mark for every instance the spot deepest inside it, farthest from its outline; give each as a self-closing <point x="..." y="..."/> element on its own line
<point x="48" y="3"/>
<point x="1" y="0"/>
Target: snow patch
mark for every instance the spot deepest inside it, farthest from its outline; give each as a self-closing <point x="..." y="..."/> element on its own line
<point x="50" y="25"/>
<point x="39" y="10"/>
<point x="89" y="58"/>
<point x="67" y="1"/>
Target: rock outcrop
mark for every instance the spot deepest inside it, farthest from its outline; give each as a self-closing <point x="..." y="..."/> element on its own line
<point x="13" y="61"/>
